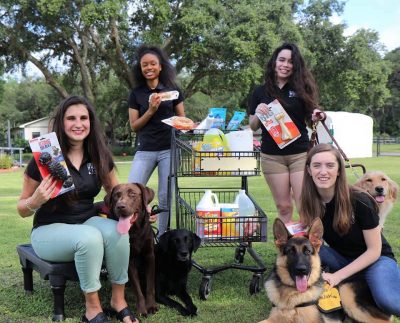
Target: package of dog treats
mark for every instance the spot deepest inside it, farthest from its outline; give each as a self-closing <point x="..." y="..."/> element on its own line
<point x="278" y="124"/>
<point x="49" y="158"/>
<point x="167" y="96"/>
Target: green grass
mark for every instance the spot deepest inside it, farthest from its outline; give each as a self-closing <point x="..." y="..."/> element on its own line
<point x="229" y="300"/>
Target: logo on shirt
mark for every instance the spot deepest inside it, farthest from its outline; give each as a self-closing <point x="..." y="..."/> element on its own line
<point x="292" y="94"/>
<point x="91" y="169"/>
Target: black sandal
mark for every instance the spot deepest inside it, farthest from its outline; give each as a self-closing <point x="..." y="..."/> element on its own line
<point x="99" y="318"/>
<point x="122" y="314"/>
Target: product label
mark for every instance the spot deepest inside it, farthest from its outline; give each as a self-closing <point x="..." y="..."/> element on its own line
<point x="47" y="153"/>
<point x="229" y="223"/>
<point x="211" y="223"/>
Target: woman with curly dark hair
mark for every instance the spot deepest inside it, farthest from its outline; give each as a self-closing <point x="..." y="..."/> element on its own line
<point x="288" y="80"/>
<point x="154" y="75"/>
<point x="67" y="227"/>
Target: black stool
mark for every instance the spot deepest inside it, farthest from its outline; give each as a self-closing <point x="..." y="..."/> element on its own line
<point x="56" y="272"/>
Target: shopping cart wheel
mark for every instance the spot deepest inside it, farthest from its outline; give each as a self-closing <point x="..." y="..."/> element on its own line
<point x="239" y="254"/>
<point x="255" y="284"/>
<point x="205" y="288"/>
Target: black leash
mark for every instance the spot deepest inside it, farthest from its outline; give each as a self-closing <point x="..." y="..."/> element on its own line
<point x="155" y="210"/>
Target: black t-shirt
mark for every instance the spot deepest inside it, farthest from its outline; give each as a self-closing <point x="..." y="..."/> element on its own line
<point x="295" y="108"/>
<point x="155" y="135"/>
<point x="72" y="207"/>
<point x="353" y="244"/>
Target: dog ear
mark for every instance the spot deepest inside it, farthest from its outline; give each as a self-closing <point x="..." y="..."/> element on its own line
<point x="196" y="241"/>
<point x="163" y="241"/>
<point x="281" y="234"/>
<point x="393" y="189"/>
<point x="108" y="198"/>
<point x="315" y="233"/>
<point x="147" y="193"/>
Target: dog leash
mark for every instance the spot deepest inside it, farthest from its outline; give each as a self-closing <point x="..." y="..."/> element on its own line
<point x="155" y="210"/>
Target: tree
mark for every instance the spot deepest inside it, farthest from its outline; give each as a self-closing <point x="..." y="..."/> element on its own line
<point x="391" y="113"/>
<point x="221" y="44"/>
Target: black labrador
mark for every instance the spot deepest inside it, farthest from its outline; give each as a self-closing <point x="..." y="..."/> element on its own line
<point x="173" y="263"/>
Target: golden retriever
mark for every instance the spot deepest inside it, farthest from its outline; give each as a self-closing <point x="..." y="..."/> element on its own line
<point x="383" y="189"/>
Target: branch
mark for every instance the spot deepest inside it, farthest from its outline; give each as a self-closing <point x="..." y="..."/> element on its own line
<point x="128" y="73"/>
<point x="46" y="72"/>
<point x="83" y="68"/>
<point x="190" y="89"/>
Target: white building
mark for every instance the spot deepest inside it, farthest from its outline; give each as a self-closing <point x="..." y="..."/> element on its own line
<point x="32" y="129"/>
<point x="352" y="131"/>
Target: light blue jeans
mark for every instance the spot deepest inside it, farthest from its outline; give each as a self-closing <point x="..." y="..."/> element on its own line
<point x="143" y="165"/>
<point x="382" y="277"/>
<point x="86" y="244"/>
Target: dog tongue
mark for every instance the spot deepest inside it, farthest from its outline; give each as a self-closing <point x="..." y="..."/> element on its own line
<point x="124" y="224"/>
<point x="301" y="283"/>
<point x="380" y="199"/>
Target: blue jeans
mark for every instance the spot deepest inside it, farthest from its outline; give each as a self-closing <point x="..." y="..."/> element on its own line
<point x="143" y="165"/>
<point x="382" y="277"/>
<point x="86" y="244"/>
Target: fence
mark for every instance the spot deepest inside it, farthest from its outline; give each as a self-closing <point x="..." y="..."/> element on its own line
<point x="387" y="146"/>
<point x="11" y="150"/>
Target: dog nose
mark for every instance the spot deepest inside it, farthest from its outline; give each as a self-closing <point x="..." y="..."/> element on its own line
<point x="301" y="270"/>
<point x="120" y="206"/>
<point x="379" y="189"/>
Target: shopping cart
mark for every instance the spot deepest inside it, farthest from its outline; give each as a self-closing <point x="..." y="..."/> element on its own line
<point x="238" y="232"/>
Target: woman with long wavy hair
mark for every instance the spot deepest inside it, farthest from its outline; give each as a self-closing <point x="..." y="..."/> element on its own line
<point x="288" y="80"/>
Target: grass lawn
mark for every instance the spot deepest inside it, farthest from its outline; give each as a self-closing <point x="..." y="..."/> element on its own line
<point x="229" y="301"/>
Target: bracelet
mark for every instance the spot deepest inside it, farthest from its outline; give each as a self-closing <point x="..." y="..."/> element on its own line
<point x="27" y="204"/>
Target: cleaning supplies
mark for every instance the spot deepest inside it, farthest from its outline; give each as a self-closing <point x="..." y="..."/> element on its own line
<point x="215" y="140"/>
<point x="208" y="213"/>
<point x="246" y="209"/>
<point x="229" y="214"/>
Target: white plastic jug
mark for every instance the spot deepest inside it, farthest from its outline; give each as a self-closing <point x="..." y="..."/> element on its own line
<point x="246" y="209"/>
<point x="208" y="215"/>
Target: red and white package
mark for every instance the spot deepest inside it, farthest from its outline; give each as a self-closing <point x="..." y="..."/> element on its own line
<point x="50" y="160"/>
<point x="278" y="124"/>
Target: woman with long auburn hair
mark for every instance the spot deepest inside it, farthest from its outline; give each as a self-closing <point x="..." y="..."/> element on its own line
<point x="354" y="244"/>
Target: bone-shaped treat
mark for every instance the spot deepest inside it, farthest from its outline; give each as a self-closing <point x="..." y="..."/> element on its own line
<point x="286" y="135"/>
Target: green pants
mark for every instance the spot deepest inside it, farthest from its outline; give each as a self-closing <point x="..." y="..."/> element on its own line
<point x="87" y="244"/>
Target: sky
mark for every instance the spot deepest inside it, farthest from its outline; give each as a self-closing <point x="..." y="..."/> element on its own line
<point x="382" y="16"/>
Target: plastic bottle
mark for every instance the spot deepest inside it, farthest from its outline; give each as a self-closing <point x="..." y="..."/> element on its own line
<point x="246" y="209"/>
<point x="209" y="122"/>
<point x="208" y="218"/>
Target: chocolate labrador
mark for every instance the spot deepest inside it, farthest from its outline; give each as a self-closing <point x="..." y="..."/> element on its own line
<point x="173" y="263"/>
<point x="127" y="203"/>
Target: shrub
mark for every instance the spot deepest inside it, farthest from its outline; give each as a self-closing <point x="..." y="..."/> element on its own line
<point x="5" y="161"/>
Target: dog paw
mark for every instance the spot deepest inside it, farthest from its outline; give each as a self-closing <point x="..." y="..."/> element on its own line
<point x="152" y="309"/>
<point x="192" y="309"/>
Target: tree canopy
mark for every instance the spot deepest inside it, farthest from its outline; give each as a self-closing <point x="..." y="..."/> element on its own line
<point x="219" y="49"/>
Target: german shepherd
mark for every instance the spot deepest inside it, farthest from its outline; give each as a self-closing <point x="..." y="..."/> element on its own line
<point x="295" y="284"/>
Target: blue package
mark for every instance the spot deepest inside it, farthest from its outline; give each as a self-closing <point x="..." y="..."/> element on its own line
<point x="236" y="120"/>
<point x="219" y="115"/>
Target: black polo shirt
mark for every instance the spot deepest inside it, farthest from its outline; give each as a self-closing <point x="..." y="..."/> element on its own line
<point x="295" y="108"/>
<point x="72" y="207"/>
<point x="155" y="135"/>
<point x="352" y="244"/>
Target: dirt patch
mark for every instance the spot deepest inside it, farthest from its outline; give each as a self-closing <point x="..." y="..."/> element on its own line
<point x="9" y="170"/>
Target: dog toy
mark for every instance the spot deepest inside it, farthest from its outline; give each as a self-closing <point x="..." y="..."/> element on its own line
<point x="286" y="135"/>
<point x="56" y="170"/>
